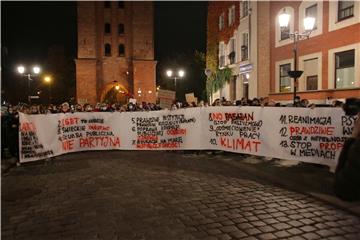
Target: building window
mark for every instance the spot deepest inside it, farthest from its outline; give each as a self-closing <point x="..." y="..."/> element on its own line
<point x="107" y="4"/>
<point x="312" y="12"/>
<point x="345" y="10"/>
<point x="232" y="54"/>
<point x="311" y="73"/>
<point x="121" y="50"/>
<point x="231" y="15"/>
<point x="245" y="47"/>
<point x="107" y="50"/>
<point x="244" y="8"/>
<point x="121" y="29"/>
<point x="121" y="4"/>
<point x="221" y="21"/>
<point x="284" y="33"/>
<point x="285" y="80"/>
<point x="345" y="69"/>
<point x="221" y="55"/>
<point x="312" y="82"/>
<point x="107" y="28"/>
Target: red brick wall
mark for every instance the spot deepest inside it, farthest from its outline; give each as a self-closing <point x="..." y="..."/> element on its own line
<point x="215" y="9"/>
<point x="86" y="80"/>
<point x="321" y="43"/>
<point x="145" y="80"/>
<point x="86" y="30"/>
<point x="142" y="28"/>
<point x="322" y="94"/>
<point x="138" y="40"/>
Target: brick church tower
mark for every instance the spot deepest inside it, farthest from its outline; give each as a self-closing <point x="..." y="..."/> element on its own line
<point x="115" y="52"/>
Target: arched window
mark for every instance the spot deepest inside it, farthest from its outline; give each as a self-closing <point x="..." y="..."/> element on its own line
<point x="121" y="50"/>
<point x="121" y="29"/>
<point x="107" y="28"/>
<point x="107" y="49"/>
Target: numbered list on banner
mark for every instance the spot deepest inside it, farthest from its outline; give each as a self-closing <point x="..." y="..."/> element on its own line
<point x="161" y="131"/>
<point x="235" y="130"/>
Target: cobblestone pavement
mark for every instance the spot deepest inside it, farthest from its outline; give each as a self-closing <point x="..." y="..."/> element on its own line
<point x="158" y="195"/>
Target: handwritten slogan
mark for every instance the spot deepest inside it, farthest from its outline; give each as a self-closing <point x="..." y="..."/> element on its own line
<point x="309" y="135"/>
<point x="238" y="131"/>
<point x="166" y="131"/>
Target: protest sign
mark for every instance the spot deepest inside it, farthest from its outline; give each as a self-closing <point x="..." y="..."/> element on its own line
<point x="132" y="100"/>
<point x="302" y="134"/>
<point x="166" y="98"/>
<point x="162" y="93"/>
<point x="190" y="98"/>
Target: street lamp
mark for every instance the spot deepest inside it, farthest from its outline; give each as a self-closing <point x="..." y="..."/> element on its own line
<point x="180" y="74"/>
<point x="21" y="70"/>
<point x="309" y="23"/>
<point x="48" y="80"/>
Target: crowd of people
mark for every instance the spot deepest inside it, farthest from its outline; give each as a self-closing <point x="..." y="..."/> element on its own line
<point x="10" y="116"/>
<point x="143" y="106"/>
<point x="344" y="190"/>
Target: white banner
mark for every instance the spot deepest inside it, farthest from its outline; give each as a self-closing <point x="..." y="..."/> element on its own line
<point x="309" y="135"/>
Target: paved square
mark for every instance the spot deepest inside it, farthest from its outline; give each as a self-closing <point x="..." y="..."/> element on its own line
<point x="158" y="195"/>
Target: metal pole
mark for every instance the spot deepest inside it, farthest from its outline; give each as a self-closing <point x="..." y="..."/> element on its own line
<point x="295" y="63"/>
<point x="29" y="98"/>
<point x="175" y="87"/>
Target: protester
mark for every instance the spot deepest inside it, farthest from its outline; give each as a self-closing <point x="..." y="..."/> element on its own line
<point x="12" y="132"/>
<point x="65" y="108"/>
<point x="347" y="174"/>
<point x="297" y="101"/>
<point x="304" y="103"/>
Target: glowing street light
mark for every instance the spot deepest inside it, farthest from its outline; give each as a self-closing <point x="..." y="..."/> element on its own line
<point x="36" y="69"/>
<point x="48" y="80"/>
<point x="180" y="74"/>
<point x="21" y="70"/>
<point x="309" y="23"/>
<point x="169" y="73"/>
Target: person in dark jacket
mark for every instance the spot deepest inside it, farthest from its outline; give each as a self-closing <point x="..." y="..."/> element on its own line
<point x="13" y="132"/>
<point x="347" y="173"/>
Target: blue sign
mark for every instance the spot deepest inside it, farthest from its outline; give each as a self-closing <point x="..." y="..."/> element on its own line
<point x="245" y="68"/>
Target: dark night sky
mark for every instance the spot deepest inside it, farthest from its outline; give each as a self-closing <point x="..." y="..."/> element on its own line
<point x="28" y="29"/>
